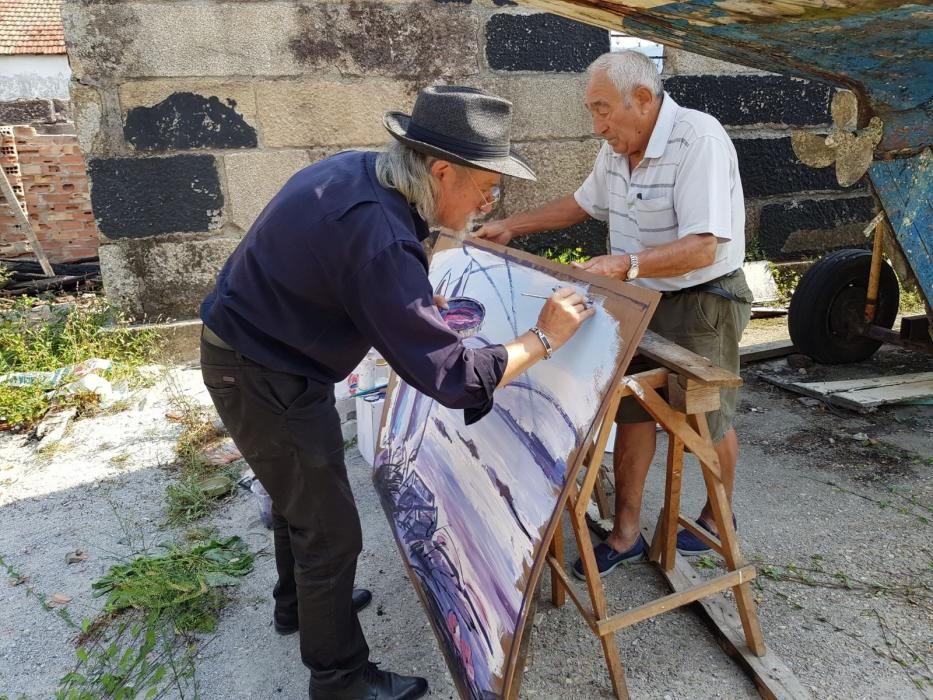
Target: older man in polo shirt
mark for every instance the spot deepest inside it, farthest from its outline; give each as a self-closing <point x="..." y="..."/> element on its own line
<point x="667" y="180"/>
<point x="333" y="266"/>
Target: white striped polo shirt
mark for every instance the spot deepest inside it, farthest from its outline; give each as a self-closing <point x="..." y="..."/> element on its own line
<point x="688" y="182"/>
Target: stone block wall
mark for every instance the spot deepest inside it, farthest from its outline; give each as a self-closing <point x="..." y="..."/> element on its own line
<point x="58" y="202"/>
<point x="193" y="113"/>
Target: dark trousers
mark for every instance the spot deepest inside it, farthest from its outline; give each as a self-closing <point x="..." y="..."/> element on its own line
<point x="288" y="430"/>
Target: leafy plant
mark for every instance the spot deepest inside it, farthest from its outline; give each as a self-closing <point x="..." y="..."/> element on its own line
<point x="565" y="256"/>
<point x="72" y="335"/>
<point x="202" y="484"/>
<point x="141" y="645"/>
<point x="185" y="582"/>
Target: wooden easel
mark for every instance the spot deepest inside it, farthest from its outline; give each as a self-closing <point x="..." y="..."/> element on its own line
<point x="693" y="385"/>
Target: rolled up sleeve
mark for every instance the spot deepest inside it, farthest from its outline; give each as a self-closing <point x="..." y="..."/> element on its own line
<point x="391" y="303"/>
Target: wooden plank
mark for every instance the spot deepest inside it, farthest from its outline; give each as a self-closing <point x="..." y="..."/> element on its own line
<point x="684" y="362"/>
<point x="840" y="386"/>
<point x="847" y="393"/>
<point x="594" y="585"/>
<point x="556" y="552"/>
<point x="775" y="681"/>
<point x="670" y="514"/>
<point x="689" y="396"/>
<point x="722" y="516"/>
<point x="701" y="534"/>
<point x="676" y="600"/>
<point x="594" y="457"/>
<point x="903" y="186"/>
<point x="570" y="588"/>
<point x="771" y="675"/>
<point x="871" y="398"/>
<point x="766" y="351"/>
<point x="675" y="424"/>
<point x="23" y="221"/>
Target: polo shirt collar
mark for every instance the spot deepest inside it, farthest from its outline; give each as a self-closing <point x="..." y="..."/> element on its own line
<point x="663" y="127"/>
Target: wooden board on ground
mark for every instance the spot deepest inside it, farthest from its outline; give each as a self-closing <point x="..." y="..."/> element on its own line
<point x="774" y="680"/>
<point x="765" y="351"/>
<point x="863" y="394"/>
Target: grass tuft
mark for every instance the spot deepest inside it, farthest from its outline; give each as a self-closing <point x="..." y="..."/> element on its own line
<point x="90" y="328"/>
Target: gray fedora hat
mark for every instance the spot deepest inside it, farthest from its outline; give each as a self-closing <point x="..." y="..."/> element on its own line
<point x="461" y="125"/>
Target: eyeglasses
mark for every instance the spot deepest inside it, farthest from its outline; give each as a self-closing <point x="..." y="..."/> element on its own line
<point x="495" y="192"/>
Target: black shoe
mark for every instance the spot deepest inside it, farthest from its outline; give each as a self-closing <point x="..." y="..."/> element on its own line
<point x="286" y="625"/>
<point x="374" y="684"/>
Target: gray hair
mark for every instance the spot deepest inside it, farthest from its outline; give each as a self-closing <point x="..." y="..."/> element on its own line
<point x="402" y="168"/>
<point x="627" y="70"/>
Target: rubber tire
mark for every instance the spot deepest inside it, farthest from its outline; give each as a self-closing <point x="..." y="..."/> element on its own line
<point x="828" y="305"/>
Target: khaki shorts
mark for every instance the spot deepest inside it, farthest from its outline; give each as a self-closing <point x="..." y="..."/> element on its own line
<point x="708" y="325"/>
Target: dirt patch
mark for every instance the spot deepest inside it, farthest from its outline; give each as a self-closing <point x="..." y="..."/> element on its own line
<point x="858" y="456"/>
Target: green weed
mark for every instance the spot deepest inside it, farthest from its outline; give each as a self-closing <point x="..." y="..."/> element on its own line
<point x="201" y="484"/>
<point x="89" y="329"/>
<point x="565" y="256"/>
<point x="141" y="644"/>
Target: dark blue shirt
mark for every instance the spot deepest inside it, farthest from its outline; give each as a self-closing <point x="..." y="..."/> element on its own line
<point x="333" y="266"/>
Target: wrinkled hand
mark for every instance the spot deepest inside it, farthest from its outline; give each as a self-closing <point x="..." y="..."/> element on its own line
<point x="440" y="301"/>
<point x="495" y="231"/>
<point x="616" y="266"/>
<point x="562" y="315"/>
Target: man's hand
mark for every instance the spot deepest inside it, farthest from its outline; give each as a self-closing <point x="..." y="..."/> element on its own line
<point x="495" y="231"/>
<point x="616" y="266"/>
<point x="562" y="315"/>
<point x="440" y="301"/>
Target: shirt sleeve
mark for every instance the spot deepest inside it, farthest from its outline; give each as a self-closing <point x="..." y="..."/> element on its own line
<point x="593" y="195"/>
<point x="391" y="303"/>
<point x="703" y="189"/>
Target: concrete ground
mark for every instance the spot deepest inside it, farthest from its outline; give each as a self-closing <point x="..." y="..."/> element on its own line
<point x="852" y="620"/>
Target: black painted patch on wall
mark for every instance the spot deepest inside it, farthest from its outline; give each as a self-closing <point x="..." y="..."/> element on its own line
<point x="769" y="166"/>
<point x="779" y="221"/>
<point x="753" y="99"/>
<point x="185" y="120"/>
<point x="591" y="235"/>
<point x="542" y="42"/>
<point x="143" y="196"/>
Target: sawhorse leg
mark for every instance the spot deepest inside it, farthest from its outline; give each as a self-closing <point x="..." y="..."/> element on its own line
<point x="684" y="432"/>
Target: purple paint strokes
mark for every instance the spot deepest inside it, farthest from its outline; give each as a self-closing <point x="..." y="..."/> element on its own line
<point x="464" y="315"/>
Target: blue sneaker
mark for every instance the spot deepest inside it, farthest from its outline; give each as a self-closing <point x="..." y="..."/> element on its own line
<point x="608" y="559"/>
<point x="690" y="545"/>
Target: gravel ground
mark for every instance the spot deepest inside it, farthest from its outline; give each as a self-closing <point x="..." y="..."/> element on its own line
<point x="808" y="494"/>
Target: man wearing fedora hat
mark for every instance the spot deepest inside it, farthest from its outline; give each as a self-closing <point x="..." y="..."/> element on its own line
<point x="334" y="265"/>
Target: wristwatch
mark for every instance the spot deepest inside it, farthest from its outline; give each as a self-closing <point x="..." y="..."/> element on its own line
<point x="632" y="267"/>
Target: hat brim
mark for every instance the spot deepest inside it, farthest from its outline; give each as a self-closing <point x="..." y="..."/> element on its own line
<point x="513" y="165"/>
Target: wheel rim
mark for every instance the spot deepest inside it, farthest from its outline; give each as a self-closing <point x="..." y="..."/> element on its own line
<point x="846" y="312"/>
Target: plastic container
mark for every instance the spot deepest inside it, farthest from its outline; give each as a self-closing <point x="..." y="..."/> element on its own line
<point x="464" y="315"/>
<point x="368" y="417"/>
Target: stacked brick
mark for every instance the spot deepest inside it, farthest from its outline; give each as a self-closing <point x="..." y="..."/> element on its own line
<point x="55" y="186"/>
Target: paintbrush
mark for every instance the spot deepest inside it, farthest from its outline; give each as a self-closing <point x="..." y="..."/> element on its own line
<point x="587" y="302"/>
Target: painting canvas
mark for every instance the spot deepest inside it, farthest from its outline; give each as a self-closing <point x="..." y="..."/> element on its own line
<point x="472" y="507"/>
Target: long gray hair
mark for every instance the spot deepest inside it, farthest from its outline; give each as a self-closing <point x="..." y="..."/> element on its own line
<point x="627" y="70"/>
<point x="409" y="171"/>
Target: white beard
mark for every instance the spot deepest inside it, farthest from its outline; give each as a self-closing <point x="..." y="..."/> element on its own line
<point x="468" y="227"/>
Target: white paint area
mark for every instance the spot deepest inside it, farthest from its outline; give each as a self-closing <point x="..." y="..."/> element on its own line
<point x="35" y="77"/>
